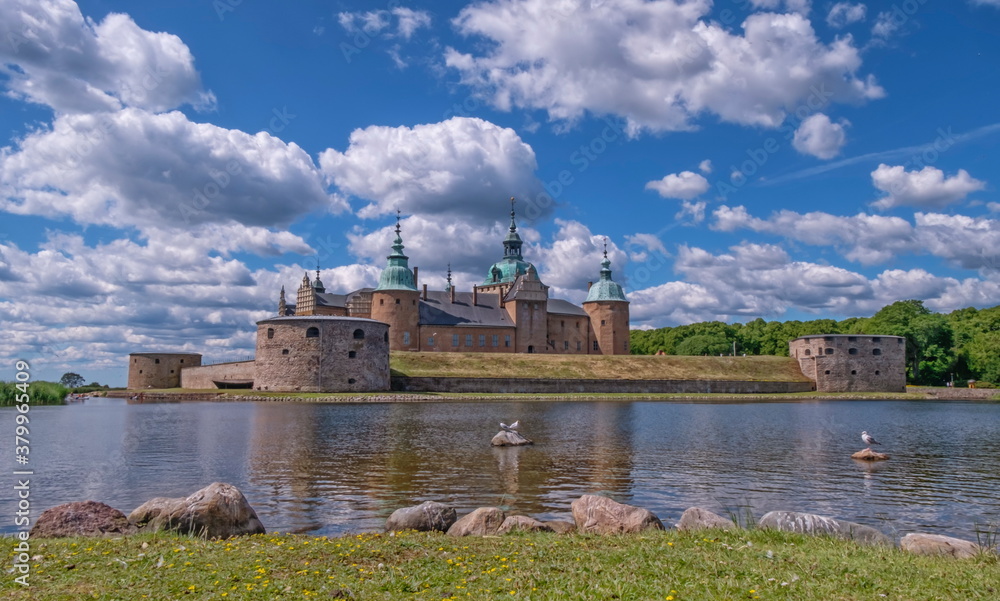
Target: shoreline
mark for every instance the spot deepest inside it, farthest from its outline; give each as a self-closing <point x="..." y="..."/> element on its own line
<point x="915" y="393"/>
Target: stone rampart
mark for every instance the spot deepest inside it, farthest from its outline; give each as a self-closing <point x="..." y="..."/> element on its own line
<point x="852" y="362"/>
<point x="562" y="386"/>
<point x="238" y="374"/>
<point x="158" y="370"/>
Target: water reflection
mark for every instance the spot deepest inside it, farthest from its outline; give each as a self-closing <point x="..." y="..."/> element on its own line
<point x="327" y="469"/>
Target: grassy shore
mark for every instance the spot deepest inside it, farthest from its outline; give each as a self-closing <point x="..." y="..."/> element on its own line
<point x="669" y="566"/>
<point x="612" y="367"/>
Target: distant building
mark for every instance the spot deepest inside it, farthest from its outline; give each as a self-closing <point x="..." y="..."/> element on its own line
<point x="852" y="362"/>
<point x="509" y="312"/>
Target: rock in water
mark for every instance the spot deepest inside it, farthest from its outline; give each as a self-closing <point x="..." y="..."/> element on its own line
<point x="217" y="511"/>
<point x="602" y="515"/>
<point x="869" y="455"/>
<point x="807" y="523"/>
<point x="81" y="518"/>
<point x="509" y="438"/>
<point x="696" y="518"/>
<point x="484" y="521"/>
<point x="935" y="544"/>
<point x="523" y="522"/>
<point x="425" y="517"/>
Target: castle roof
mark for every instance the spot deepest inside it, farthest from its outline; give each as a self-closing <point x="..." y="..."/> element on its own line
<point x="397" y="274"/>
<point x="605" y="289"/>
<point x="512" y="264"/>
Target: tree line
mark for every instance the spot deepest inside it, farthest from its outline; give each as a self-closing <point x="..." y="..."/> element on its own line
<point x="961" y="345"/>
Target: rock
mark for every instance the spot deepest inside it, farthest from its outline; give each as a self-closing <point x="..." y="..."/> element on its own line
<point x="870" y="455"/>
<point x="425" y="517"/>
<point x="506" y="438"/>
<point x="523" y="522"/>
<point x="808" y="523"/>
<point x="484" y="521"/>
<point x="562" y="526"/>
<point x="217" y="511"/>
<point x="602" y="515"/>
<point x="81" y="518"/>
<point x="935" y="544"/>
<point x="696" y="518"/>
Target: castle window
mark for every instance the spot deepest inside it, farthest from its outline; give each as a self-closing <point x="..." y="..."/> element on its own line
<point x="157" y="361"/>
<point x="562" y="324"/>
<point x="430" y="341"/>
<point x="578" y="325"/>
<point x="596" y="348"/>
<point x="140" y="371"/>
<point x="876" y="339"/>
<point x="876" y="351"/>
<point x="359" y="334"/>
<point x="468" y="340"/>
<point x="482" y="340"/>
<point x="854" y="372"/>
<point x="270" y="334"/>
<point x="878" y="373"/>
<point x="506" y="340"/>
<point x="852" y="351"/>
<point x="351" y="380"/>
<point x="578" y="345"/>
<point x="602" y="322"/>
<point x="454" y="339"/>
<point x="565" y="345"/>
<point x="381" y="301"/>
<point x="386" y="337"/>
<point x="406" y="339"/>
<point x="829" y="351"/>
<point x="171" y="371"/>
<point x="899" y="341"/>
<point x="352" y="354"/>
<point x="397" y="301"/>
<point x="808" y="352"/>
<point x="827" y="372"/>
<point x="284" y="351"/>
<point x="852" y="338"/>
<point x="828" y="338"/>
<point x="496" y="340"/>
<point x="312" y="333"/>
<point x="182" y="360"/>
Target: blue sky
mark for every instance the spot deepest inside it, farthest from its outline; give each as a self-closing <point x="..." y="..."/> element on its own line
<point x="167" y="166"/>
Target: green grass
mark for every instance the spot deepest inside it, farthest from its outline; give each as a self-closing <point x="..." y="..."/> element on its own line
<point x="39" y="393"/>
<point x="616" y="367"/>
<point x="745" y="564"/>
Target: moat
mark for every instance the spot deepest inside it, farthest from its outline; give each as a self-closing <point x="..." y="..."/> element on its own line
<point x="327" y="469"/>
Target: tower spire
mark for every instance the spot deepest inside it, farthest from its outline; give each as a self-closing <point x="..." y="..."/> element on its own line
<point x="397" y="274"/>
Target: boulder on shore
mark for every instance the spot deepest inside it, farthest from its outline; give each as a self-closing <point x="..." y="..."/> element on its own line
<point x="869" y="455"/>
<point x="484" y="521"/>
<point x="523" y="522"/>
<point x="509" y="438"/>
<point x="602" y="515"/>
<point x="428" y="516"/>
<point x="696" y="518"/>
<point x="217" y="511"/>
<point x="936" y="544"/>
<point x="808" y="523"/>
<point x="81" y="518"/>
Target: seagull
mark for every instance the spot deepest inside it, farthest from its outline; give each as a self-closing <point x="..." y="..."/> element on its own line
<point x="868" y="438"/>
<point x="511" y="428"/>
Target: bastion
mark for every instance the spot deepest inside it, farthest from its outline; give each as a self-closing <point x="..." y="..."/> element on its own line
<point x="159" y="370"/>
<point x="852" y="362"/>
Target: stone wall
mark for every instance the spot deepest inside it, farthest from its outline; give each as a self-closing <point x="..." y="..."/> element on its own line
<point x="561" y="386"/>
<point x="852" y="363"/>
<point x="322" y="354"/>
<point x="570" y="334"/>
<point x="158" y="370"/>
<point x="206" y="376"/>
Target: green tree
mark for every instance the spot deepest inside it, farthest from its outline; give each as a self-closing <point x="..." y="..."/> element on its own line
<point x="72" y="380"/>
<point x="703" y="344"/>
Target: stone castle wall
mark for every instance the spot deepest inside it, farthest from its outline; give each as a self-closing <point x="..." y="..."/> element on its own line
<point x="321" y="354"/>
<point x="563" y="386"/>
<point x="852" y="363"/>
<point x="158" y="370"/>
<point x="207" y="376"/>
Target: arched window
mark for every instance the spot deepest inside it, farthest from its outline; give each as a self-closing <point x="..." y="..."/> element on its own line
<point x="270" y="333"/>
<point x="312" y="333"/>
<point x="352" y="354"/>
<point x="359" y="334"/>
<point x="852" y="351"/>
<point x="351" y="380"/>
<point x="829" y="351"/>
<point x="808" y="352"/>
<point x="876" y="351"/>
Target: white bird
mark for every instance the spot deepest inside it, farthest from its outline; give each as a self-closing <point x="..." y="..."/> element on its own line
<point x="868" y="438"/>
<point x="511" y="428"/>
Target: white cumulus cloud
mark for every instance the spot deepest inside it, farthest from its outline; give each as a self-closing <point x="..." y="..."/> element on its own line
<point x="820" y="137"/>
<point x="684" y="185"/>
<point x="843" y="14"/>
<point x="926" y="188"/>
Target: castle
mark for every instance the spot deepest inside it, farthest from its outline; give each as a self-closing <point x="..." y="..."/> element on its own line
<point x="509" y="312"/>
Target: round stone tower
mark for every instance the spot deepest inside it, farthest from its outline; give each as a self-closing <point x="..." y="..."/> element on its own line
<point x="608" y="310"/>
<point x="159" y="370"/>
<point x="395" y="301"/>
<point x="852" y="362"/>
<point x="321" y="353"/>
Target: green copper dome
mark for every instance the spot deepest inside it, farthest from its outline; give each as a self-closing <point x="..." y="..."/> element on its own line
<point x="605" y="289"/>
<point x="512" y="264"/>
<point x="397" y="274"/>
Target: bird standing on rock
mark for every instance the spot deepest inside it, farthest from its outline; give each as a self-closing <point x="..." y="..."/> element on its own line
<point x="868" y="438"/>
<point x="511" y="428"/>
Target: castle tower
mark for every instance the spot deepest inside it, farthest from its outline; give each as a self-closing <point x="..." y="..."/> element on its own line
<point x="502" y="274"/>
<point x="608" y="310"/>
<point x="305" y="297"/>
<point x="527" y="304"/>
<point x="282" y="306"/>
<point x="396" y="301"/>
